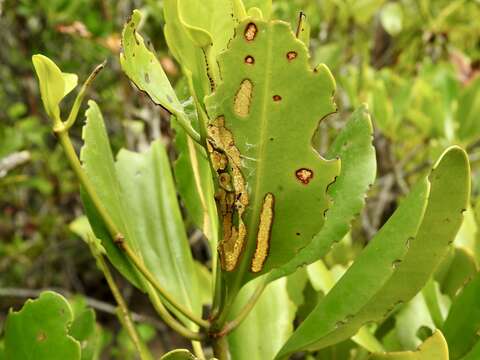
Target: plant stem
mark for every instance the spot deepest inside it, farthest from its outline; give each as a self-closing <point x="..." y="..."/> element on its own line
<point x="197" y="350"/>
<point x="81" y="94"/>
<point x="229" y="326"/>
<point x="171" y="321"/>
<point x="122" y="311"/>
<point x="220" y="348"/>
<point x="165" y="295"/>
<point x="113" y="230"/>
<point x="187" y="126"/>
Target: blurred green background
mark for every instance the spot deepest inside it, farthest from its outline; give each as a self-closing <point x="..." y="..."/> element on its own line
<point x="415" y="62"/>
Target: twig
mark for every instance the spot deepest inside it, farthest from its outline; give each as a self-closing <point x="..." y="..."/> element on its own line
<point x="231" y="325"/>
<point x="13" y="160"/>
<point x="122" y="311"/>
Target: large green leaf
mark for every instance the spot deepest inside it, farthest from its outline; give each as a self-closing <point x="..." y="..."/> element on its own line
<point x="398" y="261"/>
<point x="434" y="348"/>
<point x="462" y="325"/>
<point x="139" y="194"/>
<point x="373" y="267"/>
<point x="154" y="215"/>
<point x="272" y="183"/>
<point x="54" y="84"/>
<point x="354" y="147"/>
<point x="98" y="164"/>
<point x="39" y="330"/>
<point x="273" y="314"/>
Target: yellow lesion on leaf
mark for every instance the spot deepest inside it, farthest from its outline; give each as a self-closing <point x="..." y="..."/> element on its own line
<point x="243" y="98"/>
<point x="232" y="196"/>
<point x="263" y="235"/>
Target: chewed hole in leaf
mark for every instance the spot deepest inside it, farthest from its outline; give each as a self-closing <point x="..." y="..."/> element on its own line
<point x="249" y="60"/>
<point x="304" y="175"/>
<point x="292" y="55"/>
<point x="396" y="263"/>
<point x="243" y="98"/>
<point x="277" y="98"/>
<point x="251" y="31"/>
<point x="264" y="232"/>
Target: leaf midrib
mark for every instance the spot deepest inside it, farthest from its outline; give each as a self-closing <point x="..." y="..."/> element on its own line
<point x="254" y="214"/>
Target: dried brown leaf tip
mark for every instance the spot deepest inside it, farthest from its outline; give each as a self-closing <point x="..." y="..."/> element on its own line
<point x="251" y="31"/>
<point x="264" y="232"/>
<point x="304" y="175"/>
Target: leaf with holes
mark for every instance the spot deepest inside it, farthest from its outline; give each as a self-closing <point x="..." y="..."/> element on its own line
<point x="406" y="251"/>
<point x="40" y="329"/>
<point x="354" y="147"/>
<point x="434" y="348"/>
<point x="271" y="182"/>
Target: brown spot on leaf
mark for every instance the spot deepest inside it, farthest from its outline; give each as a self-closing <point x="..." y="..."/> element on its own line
<point x="41" y="336"/>
<point x="147" y="78"/>
<point x="251" y="31"/>
<point x="263" y="234"/>
<point x="277" y="98"/>
<point x="291" y="55"/>
<point x="243" y="98"/>
<point x="304" y="175"/>
<point x="249" y="60"/>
